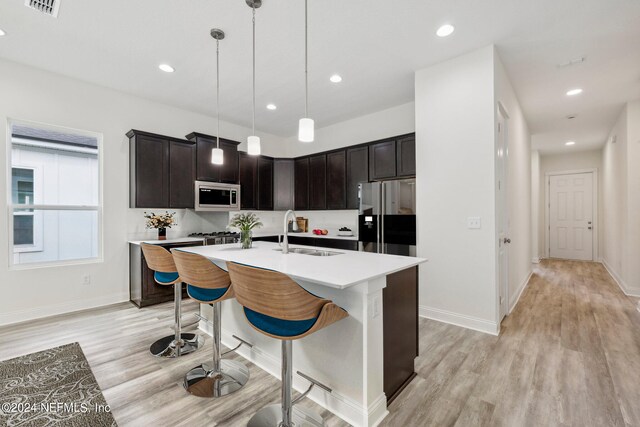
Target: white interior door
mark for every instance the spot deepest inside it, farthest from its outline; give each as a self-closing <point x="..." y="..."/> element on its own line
<point x="502" y="214"/>
<point x="571" y="216"/>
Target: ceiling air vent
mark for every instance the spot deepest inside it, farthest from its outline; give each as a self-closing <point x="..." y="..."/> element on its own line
<point x="48" y="7"/>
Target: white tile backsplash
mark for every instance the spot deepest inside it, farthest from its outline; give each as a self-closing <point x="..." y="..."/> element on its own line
<point x="330" y="220"/>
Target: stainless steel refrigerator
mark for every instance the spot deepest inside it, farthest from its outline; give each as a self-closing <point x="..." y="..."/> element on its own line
<point x="387" y="217"/>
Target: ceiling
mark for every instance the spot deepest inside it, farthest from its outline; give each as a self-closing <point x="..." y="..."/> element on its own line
<point x="376" y="46"/>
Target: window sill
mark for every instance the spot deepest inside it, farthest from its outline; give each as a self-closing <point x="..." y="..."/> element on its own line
<point x="53" y="264"/>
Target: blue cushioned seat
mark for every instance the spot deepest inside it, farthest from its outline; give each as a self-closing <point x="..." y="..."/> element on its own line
<point x="278" y="327"/>
<point x="204" y="294"/>
<point x="165" y="278"/>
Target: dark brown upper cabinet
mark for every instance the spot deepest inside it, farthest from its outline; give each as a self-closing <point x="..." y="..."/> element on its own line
<point x="406" y="156"/>
<point x="162" y="171"/>
<point x="382" y="160"/>
<point x="207" y="171"/>
<point x="337" y="180"/>
<point x="182" y="174"/>
<point x="357" y="172"/>
<point x="301" y="185"/>
<point x="283" y="184"/>
<point x="248" y="169"/>
<point x="265" y="183"/>
<point x="318" y="182"/>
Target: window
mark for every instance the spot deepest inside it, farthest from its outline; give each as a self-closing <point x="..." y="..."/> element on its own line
<point x="55" y="195"/>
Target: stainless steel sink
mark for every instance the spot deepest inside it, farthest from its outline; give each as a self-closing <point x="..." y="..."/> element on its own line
<point x="312" y="252"/>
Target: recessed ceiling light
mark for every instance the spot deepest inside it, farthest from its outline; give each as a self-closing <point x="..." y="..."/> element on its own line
<point x="272" y="107"/>
<point x="570" y="143"/>
<point x="574" y="92"/>
<point x="445" y="30"/>
<point x="2" y="33"/>
<point x="335" y="78"/>
<point x="166" y="68"/>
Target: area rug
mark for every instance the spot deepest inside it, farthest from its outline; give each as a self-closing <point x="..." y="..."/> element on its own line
<point x="53" y="387"/>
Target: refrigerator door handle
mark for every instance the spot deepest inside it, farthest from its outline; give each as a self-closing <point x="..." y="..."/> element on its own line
<point x="383" y="207"/>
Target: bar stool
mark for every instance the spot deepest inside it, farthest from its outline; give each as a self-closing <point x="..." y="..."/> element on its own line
<point x="278" y="307"/>
<point x="165" y="273"/>
<point x="209" y="284"/>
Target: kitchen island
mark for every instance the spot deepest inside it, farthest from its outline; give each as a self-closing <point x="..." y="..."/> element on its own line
<point x="360" y="356"/>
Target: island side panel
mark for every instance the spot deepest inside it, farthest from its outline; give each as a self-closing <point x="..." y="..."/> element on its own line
<point x="400" y="302"/>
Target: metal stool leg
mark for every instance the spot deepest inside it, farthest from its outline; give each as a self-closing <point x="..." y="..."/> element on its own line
<point x="285" y="414"/>
<point x="178" y="344"/>
<point x="223" y="376"/>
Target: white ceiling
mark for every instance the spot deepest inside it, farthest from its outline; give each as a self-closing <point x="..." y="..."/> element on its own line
<point x="376" y="45"/>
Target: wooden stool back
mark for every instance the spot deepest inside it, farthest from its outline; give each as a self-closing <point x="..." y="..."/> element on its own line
<point x="273" y="293"/>
<point x="158" y="258"/>
<point x="198" y="271"/>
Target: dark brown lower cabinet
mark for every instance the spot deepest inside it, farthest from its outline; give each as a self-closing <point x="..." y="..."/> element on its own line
<point x="400" y="330"/>
<point x="143" y="289"/>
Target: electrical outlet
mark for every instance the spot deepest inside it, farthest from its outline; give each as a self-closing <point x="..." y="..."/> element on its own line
<point x="474" y="223"/>
<point x="86" y="280"/>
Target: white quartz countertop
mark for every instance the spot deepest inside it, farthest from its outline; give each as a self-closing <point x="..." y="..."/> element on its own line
<point x="339" y="271"/>
<point x="168" y="241"/>
<point x="266" y="233"/>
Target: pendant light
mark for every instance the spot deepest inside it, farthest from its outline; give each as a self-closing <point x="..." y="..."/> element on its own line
<point x="253" y="142"/>
<point x="306" y="125"/>
<point x="217" y="155"/>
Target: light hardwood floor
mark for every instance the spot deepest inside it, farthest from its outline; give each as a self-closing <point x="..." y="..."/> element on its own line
<point x="569" y="355"/>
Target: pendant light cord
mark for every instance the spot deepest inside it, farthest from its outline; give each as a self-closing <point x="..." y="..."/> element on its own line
<point x="254" y="69"/>
<point x="218" y="92"/>
<point x="306" y="60"/>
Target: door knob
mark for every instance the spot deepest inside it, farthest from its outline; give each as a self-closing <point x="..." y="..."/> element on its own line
<point x="589" y="228"/>
<point x="507" y="240"/>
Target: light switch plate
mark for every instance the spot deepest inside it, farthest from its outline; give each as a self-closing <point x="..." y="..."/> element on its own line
<point x="474" y="223"/>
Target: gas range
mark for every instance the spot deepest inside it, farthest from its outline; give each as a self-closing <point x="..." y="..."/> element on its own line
<point x="217" y="237"/>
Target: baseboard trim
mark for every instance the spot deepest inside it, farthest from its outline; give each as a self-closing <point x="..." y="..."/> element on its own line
<point x="523" y="286"/>
<point x="627" y="290"/>
<point x="345" y="408"/>
<point x="67" y="307"/>
<point x="469" y="322"/>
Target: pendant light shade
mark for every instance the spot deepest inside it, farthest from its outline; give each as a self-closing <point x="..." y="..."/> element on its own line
<point x="253" y="142"/>
<point x="306" y="130"/>
<point x="306" y="126"/>
<point x="253" y="145"/>
<point x="217" y="155"/>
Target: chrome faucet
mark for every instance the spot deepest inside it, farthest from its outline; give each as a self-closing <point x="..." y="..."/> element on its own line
<point x="285" y="240"/>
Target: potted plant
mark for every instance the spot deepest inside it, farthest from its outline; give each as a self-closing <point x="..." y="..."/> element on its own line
<point x="245" y="222"/>
<point x="160" y="222"/>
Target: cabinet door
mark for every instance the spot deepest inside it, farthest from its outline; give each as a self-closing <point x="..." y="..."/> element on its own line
<point x="357" y="172"/>
<point x="406" y="156"/>
<point x="205" y="170"/>
<point x="301" y="186"/>
<point x="283" y="184"/>
<point x="382" y="160"/>
<point x="182" y="174"/>
<point x="337" y="180"/>
<point x="318" y="182"/>
<point x="151" y="177"/>
<point x="265" y="183"/>
<point x="248" y="181"/>
<point x="229" y="168"/>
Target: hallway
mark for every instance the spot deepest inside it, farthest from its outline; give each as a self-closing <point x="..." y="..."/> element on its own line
<point x="568" y="355"/>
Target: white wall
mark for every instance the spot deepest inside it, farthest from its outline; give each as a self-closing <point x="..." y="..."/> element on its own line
<point x="518" y="186"/>
<point x="535" y="207"/>
<point x="571" y="161"/>
<point x="30" y="94"/>
<point x="633" y="195"/>
<point x="371" y="127"/>
<point x="456" y="118"/>
<point x="455" y="140"/>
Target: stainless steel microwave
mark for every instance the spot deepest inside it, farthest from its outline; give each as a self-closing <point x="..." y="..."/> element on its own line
<point x="217" y="197"/>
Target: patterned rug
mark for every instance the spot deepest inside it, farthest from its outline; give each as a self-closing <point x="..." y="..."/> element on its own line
<point x="52" y="388"/>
